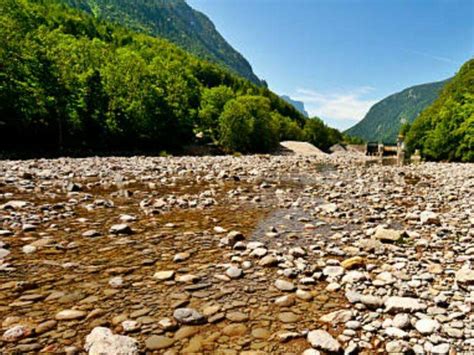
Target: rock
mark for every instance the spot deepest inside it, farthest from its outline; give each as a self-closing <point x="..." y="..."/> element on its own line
<point x="429" y="217"/>
<point x="163" y="275"/>
<point x="16" y="333"/>
<point x="70" y="314"/>
<point x="328" y="208"/>
<point x="288" y="317"/>
<point x="233" y="330"/>
<point x="45" y="326"/>
<point x="28" y="249"/>
<point x="403" y="304"/>
<point x="188" y="316"/>
<point x="15" y="205"/>
<point x="333" y="271"/>
<point x="388" y="235"/>
<point x="181" y="257"/>
<point x="237" y="316"/>
<point x="354" y="262"/>
<point x="130" y="326"/>
<point x="234" y="272"/>
<point x="268" y="260"/>
<point x="465" y="276"/>
<point x="396" y="333"/>
<point x="261" y="333"/>
<point x="441" y="349"/>
<point x="4" y="253"/>
<point x="285" y="301"/>
<point x="320" y="339"/>
<point x="121" y="229"/>
<point x="336" y="317"/>
<point x="401" y="320"/>
<point x="284" y="285"/>
<point x="102" y="341"/>
<point x="427" y="326"/>
<point x="157" y="342"/>
<point x="91" y="233"/>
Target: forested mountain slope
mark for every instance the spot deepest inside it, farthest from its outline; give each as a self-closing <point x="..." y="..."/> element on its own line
<point x="445" y="130"/>
<point x="384" y="120"/>
<point x="174" y="20"/>
<point x="70" y="81"/>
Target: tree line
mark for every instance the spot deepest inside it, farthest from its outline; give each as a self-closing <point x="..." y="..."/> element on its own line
<point x="69" y="81"/>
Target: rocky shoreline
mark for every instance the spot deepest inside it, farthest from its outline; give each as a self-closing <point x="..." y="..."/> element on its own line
<point x="236" y="255"/>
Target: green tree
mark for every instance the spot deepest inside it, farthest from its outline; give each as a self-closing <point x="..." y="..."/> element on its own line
<point x="246" y="125"/>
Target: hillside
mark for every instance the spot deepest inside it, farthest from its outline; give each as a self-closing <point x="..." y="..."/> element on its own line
<point x="176" y="21"/>
<point x="384" y="120"/>
<point x="70" y="82"/>
<point x="299" y="105"/>
<point x="445" y="130"/>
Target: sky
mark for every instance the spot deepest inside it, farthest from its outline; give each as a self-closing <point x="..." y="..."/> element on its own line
<point x="341" y="56"/>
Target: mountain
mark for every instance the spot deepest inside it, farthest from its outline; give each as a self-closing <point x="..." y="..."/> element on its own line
<point x="299" y="105"/>
<point x="176" y="21"/>
<point x="383" y="121"/>
<point x="445" y="130"/>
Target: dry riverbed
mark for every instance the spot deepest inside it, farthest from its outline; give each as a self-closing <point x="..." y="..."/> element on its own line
<point x="235" y="255"/>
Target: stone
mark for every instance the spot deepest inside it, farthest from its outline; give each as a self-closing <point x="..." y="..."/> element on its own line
<point x="188" y="316"/>
<point x="354" y="262"/>
<point x="233" y="330"/>
<point x="157" y="342"/>
<point x="388" y="235"/>
<point x="45" y="326"/>
<point x="465" y="276"/>
<point x="180" y="257"/>
<point x="268" y="260"/>
<point x="429" y="217"/>
<point x="401" y="320"/>
<point x="336" y="317"/>
<point x="16" y="333"/>
<point x="394" y="332"/>
<point x="163" y="275"/>
<point x="333" y="271"/>
<point x="237" y="316"/>
<point x="121" y="229"/>
<point x="288" y="317"/>
<point x="403" y="304"/>
<point x="427" y="326"/>
<point x="234" y="272"/>
<point x="91" y="233"/>
<point x="284" y="285"/>
<point x="4" y="253"/>
<point x="102" y="341"/>
<point x="70" y="314"/>
<point x="320" y="339"/>
<point x="285" y="301"/>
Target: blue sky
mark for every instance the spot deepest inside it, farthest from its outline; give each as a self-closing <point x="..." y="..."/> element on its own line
<point x="341" y="56"/>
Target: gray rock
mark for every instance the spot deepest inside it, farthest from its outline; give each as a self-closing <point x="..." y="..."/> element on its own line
<point x="188" y="316"/>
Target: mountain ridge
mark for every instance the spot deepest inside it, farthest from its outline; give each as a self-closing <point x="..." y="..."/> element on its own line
<point x="176" y="21"/>
<point x="299" y="105"/>
<point x="385" y="118"/>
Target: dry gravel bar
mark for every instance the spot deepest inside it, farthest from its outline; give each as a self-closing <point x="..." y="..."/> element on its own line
<point x="236" y="255"/>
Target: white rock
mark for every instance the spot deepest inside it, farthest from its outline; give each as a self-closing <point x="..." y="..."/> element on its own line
<point x="320" y="339"/>
<point x="427" y="326"/>
<point x="101" y="341"/>
<point x="403" y="304"/>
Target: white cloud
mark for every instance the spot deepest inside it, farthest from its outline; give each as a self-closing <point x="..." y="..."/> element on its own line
<point x="347" y="106"/>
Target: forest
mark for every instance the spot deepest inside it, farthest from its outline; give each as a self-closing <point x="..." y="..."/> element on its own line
<point x="71" y="82"/>
<point x="445" y="130"/>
